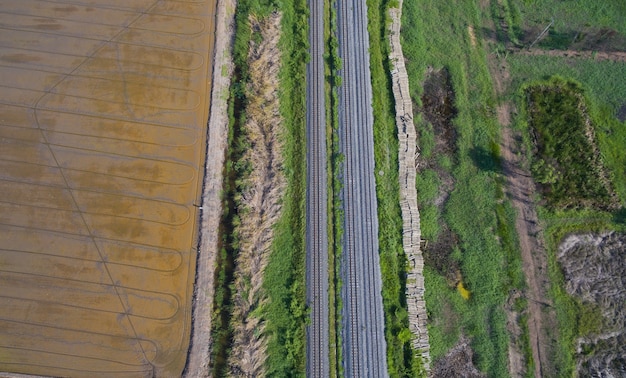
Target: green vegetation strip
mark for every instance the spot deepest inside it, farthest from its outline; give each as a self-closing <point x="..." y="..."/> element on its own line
<point x="604" y="90"/>
<point x="285" y="274"/>
<point x="284" y="313"/>
<point x="332" y="66"/>
<point x="435" y="34"/>
<point x="402" y="360"/>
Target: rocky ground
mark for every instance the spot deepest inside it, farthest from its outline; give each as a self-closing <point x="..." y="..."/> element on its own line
<point x="594" y="268"/>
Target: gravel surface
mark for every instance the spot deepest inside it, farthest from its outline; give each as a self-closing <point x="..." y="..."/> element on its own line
<point x="211" y="211"/>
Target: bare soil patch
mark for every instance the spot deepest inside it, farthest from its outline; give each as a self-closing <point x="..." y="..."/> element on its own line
<point x="438" y="255"/>
<point x="457" y="363"/>
<point x="201" y="342"/>
<point x="594" y="267"/>
<point x="439" y="110"/>
<point x="540" y="317"/>
<point x="472" y="35"/>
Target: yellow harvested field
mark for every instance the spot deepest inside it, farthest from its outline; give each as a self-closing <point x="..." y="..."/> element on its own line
<point x="103" y="114"/>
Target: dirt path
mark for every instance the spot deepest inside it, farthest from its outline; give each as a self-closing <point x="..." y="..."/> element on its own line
<point x="211" y="207"/>
<point x="520" y="188"/>
<point x="616" y="56"/>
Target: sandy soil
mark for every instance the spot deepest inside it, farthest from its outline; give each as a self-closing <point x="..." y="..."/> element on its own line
<point x="211" y="207"/>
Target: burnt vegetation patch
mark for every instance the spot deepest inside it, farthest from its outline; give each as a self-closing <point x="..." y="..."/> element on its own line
<point x="439" y="110"/>
<point x="567" y="164"/>
<point x="439" y="255"/>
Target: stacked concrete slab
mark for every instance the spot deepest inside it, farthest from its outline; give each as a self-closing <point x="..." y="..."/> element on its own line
<point x="408" y="153"/>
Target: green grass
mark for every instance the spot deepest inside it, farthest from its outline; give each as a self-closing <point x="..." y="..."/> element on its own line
<point x="564" y="160"/>
<point x="435" y="34"/>
<point x="575" y="319"/>
<point x="402" y="360"/>
<point x="605" y="91"/>
<point x="284" y="279"/>
<point x="332" y="65"/>
<point x="572" y="15"/>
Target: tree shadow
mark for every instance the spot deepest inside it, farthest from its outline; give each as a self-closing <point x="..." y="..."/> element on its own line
<point x="484" y="160"/>
<point x="619" y="216"/>
<point x="558" y="40"/>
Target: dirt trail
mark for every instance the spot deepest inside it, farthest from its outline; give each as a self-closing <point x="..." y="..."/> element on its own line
<point x="520" y="189"/>
<point x="616" y="56"/>
<point x="201" y="342"/>
<point x="541" y="318"/>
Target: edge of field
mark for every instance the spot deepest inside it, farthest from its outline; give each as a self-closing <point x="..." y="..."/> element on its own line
<point x="198" y="357"/>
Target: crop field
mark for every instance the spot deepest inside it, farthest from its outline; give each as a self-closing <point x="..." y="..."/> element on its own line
<point x="103" y="115"/>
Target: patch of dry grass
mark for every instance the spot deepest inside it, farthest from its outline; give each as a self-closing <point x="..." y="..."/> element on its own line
<point x="260" y="202"/>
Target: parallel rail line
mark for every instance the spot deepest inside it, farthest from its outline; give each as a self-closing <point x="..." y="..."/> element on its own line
<point x="317" y="364"/>
<point x="363" y="323"/>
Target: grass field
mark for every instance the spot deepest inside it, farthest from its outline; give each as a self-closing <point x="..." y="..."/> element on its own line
<point x="605" y="90"/>
<point x="464" y="211"/>
<point x="437" y="35"/>
<point x="601" y="85"/>
<point x="573" y="318"/>
<point x="568" y="16"/>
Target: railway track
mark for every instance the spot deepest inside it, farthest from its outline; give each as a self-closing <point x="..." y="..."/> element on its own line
<point x="317" y="364"/>
<point x="362" y="318"/>
<point x="363" y="322"/>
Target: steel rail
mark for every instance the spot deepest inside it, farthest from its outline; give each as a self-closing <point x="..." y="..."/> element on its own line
<point x="363" y="323"/>
<point x="317" y="355"/>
